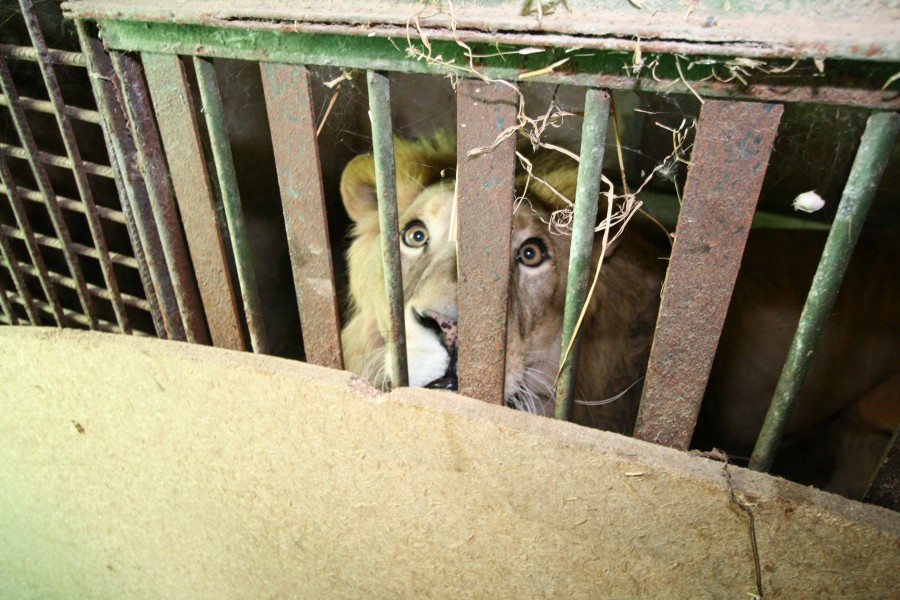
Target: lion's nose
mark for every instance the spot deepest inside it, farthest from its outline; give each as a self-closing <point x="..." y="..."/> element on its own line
<point x="443" y="324"/>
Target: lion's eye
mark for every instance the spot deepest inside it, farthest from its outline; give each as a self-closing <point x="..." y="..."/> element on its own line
<point x="532" y="252"/>
<point x="415" y="235"/>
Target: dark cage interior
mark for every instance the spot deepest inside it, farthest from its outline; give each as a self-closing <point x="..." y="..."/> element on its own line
<point x="196" y="194"/>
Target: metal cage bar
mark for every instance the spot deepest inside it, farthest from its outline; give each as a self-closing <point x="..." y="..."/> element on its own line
<point x="74" y="155"/>
<point x="155" y="212"/>
<point x="289" y="106"/>
<point x="43" y="106"/>
<point x="8" y="315"/>
<point x="27" y="234"/>
<point x="178" y="127"/>
<point x="120" y="144"/>
<point x="231" y="200"/>
<point x="59" y="57"/>
<point x="53" y="160"/>
<point x="734" y="141"/>
<point x="871" y="160"/>
<point x="386" y="189"/>
<point x="110" y="214"/>
<point x="485" y="196"/>
<point x="25" y="137"/>
<point x="587" y="193"/>
<point x="78" y="249"/>
<point x="884" y="489"/>
<point x="15" y="271"/>
<point x="115" y="135"/>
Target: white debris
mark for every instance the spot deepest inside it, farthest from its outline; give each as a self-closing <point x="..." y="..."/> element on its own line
<point x="808" y="202"/>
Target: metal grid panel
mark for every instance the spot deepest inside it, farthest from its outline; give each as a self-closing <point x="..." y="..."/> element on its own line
<point x="55" y="253"/>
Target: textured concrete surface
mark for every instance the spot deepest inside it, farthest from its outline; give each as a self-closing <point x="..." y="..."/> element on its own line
<point x="136" y="468"/>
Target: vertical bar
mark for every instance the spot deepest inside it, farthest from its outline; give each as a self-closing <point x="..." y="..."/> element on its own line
<point x="884" y="490"/>
<point x="40" y="175"/>
<point x="21" y="288"/>
<point x="868" y="166"/>
<point x="231" y="199"/>
<point x="6" y="307"/>
<point x="485" y="197"/>
<point x="291" y="120"/>
<point x="181" y="138"/>
<point x="34" y="252"/>
<point x="174" y="272"/>
<point x="734" y="141"/>
<point x="386" y="188"/>
<point x="74" y="154"/>
<point x="119" y="145"/>
<point x="587" y="193"/>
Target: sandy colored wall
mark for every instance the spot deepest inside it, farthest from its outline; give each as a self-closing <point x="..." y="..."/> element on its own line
<point x="135" y="468"/>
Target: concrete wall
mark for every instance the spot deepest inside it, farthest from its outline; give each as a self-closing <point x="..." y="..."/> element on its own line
<point x="136" y="468"/>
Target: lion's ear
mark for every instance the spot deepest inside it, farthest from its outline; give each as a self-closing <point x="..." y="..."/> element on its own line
<point x="358" y="187"/>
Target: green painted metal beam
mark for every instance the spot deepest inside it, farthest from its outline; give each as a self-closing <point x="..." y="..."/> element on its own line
<point x="587" y="193"/>
<point x="386" y="189"/>
<point x="608" y="66"/>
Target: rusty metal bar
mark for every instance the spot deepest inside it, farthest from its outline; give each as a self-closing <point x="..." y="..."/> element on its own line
<point x="74" y="155"/>
<point x="31" y="243"/>
<point x="60" y="57"/>
<point x="79" y="319"/>
<point x="8" y="315"/>
<point x="386" y="188"/>
<point x="69" y="204"/>
<point x="128" y="184"/>
<point x="95" y="290"/>
<point x="42" y="106"/>
<point x="15" y="271"/>
<point x="587" y="193"/>
<point x="178" y="126"/>
<point x="53" y="159"/>
<point x="292" y="123"/>
<point x="231" y="199"/>
<point x="871" y="160"/>
<point x="156" y="215"/>
<point x="40" y="175"/>
<point x="154" y="205"/>
<point x="734" y="141"/>
<point x="884" y="490"/>
<point x="486" y="194"/>
<point x="80" y="249"/>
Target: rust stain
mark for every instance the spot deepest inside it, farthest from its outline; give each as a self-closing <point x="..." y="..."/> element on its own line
<point x="486" y="194"/>
<point x="734" y="141"/>
<point x="291" y="120"/>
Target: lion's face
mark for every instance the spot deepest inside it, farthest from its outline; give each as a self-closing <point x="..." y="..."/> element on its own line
<point x="429" y="260"/>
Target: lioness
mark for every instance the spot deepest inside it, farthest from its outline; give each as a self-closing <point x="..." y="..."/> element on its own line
<point x="618" y="328"/>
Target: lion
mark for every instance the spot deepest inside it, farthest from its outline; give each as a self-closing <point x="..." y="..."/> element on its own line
<point x="620" y="319"/>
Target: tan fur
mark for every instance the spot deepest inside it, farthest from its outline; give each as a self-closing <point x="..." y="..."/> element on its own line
<point x="622" y="313"/>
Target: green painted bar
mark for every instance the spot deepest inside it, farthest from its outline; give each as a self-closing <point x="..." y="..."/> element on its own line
<point x="234" y="214"/>
<point x="597" y="67"/>
<point x="868" y="167"/>
<point x="386" y="187"/>
<point x="593" y="140"/>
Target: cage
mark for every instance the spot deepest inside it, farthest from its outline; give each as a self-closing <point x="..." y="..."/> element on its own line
<point x="172" y="171"/>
